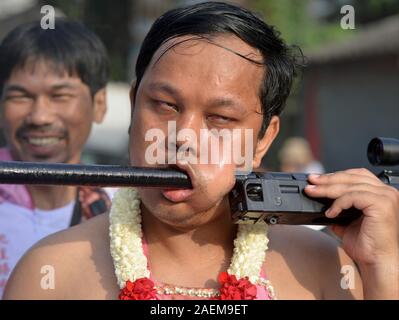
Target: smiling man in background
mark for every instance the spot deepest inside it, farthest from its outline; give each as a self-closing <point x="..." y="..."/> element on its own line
<point x="52" y="88"/>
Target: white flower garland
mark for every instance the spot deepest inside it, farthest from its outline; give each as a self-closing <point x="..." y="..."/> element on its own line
<point x="130" y="261"/>
<point x="249" y="251"/>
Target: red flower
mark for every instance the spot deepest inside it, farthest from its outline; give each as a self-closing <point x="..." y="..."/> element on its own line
<point x="233" y="289"/>
<point x="141" y="289"/>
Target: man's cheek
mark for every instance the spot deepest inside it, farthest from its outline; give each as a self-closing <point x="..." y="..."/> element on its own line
<point x="243" y="150"/>
<point x="78" y="133"/>
<point x="229" y="147"/>
<point x="139" y="150"/>
<point x="215" y="179"/>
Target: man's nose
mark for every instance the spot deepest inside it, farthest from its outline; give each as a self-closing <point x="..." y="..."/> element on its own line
<point x="41" y="112"/>
<point x="188" y="129"/>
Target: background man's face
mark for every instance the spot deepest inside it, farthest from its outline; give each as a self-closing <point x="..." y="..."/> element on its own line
<point x="46" y="115"/>
<point x="198" y="85"/>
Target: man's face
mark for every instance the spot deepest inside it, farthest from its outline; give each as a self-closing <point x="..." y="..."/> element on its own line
<point x="47" y="115"/>
<point x="197" y="85"/>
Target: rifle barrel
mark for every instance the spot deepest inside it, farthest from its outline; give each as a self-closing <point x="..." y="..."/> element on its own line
<point x="18" y="172"/>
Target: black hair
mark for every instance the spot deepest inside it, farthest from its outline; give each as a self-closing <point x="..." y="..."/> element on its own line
<point x="69" y="47"/>
<point x="213" y="18"/>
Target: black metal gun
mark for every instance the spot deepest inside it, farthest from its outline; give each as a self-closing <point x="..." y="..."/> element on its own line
<point x="279" y="198"/>
<point x="273" y="196"/>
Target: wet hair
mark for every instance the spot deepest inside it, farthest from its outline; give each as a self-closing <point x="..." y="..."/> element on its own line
<point x="217" y="18"/>
<point x="69" y="47"/>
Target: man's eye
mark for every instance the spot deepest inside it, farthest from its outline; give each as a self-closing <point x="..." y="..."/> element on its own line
<point x="61" y="96"/>
<point x="18" y="98"/>
<point x="220" y="119"/>
<point x="166" y="106"/>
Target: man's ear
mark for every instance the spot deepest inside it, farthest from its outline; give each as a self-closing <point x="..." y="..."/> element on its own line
<point x="100" y="105"/>
<point x="265" y="142"/>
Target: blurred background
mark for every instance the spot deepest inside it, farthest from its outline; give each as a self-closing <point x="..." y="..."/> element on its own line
<point x="348" y="93"/>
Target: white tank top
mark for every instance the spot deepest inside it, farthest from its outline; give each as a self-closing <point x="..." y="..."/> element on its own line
<point x="21" y="228"/>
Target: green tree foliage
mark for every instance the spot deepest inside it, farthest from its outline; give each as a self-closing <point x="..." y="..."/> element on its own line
<point x="297" y="26"/>
<point x="294" y="18"/>
<point x="368" y="11"/>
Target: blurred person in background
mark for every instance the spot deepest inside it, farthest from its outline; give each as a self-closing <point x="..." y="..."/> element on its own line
<point x="52" y="89"/>
<point x="296" y="156"/>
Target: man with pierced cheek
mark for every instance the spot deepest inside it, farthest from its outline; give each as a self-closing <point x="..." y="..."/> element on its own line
<point x="217" y="66"/>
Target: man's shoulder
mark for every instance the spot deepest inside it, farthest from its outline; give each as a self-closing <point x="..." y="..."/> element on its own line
<point x="314" y="257"/>
<point x="69" y="254"/>
<point x="303" y="238"/>
<point x="315" y="249"/>
<point x="79" y="241"/>
<point x="90" y="232"/>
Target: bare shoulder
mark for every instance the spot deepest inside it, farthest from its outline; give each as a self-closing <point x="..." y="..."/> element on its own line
<point x="310" y="264"/>
<point x="67" y="264"/>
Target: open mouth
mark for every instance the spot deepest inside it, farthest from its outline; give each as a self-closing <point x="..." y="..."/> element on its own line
<point x="42" y="146"/>
<point x="43" y="141"/>
<point x="180" y="195"/>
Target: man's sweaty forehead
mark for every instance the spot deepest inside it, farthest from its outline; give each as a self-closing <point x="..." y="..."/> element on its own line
<point x="229" y="43"/>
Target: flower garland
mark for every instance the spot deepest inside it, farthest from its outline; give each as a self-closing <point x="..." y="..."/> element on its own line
<point x="130" y="261"/>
